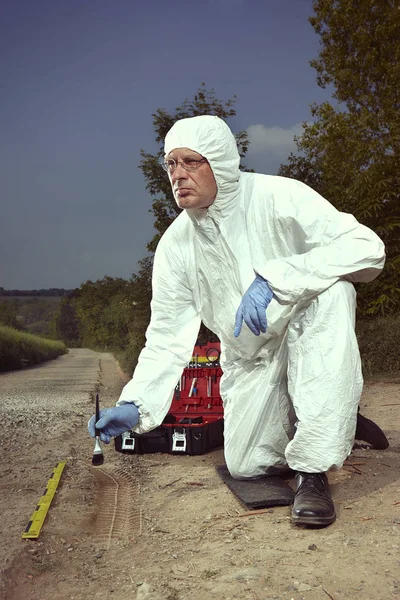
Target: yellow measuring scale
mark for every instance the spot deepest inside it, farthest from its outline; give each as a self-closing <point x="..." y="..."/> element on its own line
<point x="38" y="516"/>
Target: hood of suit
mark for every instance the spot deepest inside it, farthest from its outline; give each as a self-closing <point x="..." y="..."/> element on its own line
<point x="211" y="137"/>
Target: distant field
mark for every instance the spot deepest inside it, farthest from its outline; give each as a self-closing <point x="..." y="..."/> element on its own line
<point x="35" y="313"/>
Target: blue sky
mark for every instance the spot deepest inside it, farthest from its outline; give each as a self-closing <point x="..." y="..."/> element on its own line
<point x="80" y="80"/>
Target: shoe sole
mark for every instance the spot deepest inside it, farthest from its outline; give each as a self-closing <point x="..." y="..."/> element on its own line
<point x="370" y="432"/>
<point x="313" y="520"/>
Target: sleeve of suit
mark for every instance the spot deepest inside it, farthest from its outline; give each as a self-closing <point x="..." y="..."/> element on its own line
<point x="334" y="246"/>
<point x="170" y="339"/>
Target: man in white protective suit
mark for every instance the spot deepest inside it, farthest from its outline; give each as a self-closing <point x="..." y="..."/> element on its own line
<point x="268" y="265"/>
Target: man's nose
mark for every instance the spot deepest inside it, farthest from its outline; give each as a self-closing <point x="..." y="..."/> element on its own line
<point x="179" y="173"/>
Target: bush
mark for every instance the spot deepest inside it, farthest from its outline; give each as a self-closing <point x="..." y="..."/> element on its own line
<point x="19" y="349"/>
<point x="379" y="341"/>
<point x="128" y="357"/>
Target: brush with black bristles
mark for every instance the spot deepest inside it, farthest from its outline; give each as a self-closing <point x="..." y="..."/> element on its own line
<point x="97" y="458"/>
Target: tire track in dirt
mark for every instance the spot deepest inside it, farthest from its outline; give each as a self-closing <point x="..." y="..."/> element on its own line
<point x="118" y="511"/>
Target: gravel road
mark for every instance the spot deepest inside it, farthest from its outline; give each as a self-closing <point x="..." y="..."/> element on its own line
<point x="41" y="409"/>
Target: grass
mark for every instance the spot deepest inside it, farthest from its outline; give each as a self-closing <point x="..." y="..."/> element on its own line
<point x="19" y="349"/>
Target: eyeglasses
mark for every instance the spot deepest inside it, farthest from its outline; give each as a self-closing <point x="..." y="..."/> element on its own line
<point x="189" y="164"/>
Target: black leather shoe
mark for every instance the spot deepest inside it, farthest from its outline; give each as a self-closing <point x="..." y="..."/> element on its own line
<point x="313" y="504"/>
<point x="370" y="432"/>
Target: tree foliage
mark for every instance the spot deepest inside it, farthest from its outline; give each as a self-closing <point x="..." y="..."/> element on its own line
<point x="138" y="313"/>
<point x="102" y="308"/>
<point x="350" y="153"/>
<point x="66" y="324"/>
<point x="108" y="314"/>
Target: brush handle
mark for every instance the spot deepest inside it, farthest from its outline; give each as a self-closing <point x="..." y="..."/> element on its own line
<point x="96" y="431"/>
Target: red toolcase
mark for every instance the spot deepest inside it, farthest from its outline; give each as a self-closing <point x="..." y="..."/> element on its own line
<point x="194" y="423"/>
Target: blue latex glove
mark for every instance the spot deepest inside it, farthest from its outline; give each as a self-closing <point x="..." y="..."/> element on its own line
<point x="114" y="421"/>
<point x="253" y="306"/>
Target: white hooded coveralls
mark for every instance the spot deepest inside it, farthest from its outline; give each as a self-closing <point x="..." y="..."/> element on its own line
<point x="290" y="395"/>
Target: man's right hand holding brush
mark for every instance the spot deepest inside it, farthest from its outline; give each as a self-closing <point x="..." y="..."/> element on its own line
<point x="114" y="421"/>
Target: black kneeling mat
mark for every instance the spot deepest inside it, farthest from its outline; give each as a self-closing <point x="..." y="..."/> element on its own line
<point x="258" y="493"/>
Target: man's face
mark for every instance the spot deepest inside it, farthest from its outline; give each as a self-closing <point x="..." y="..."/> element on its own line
<point x="194" y="189"/>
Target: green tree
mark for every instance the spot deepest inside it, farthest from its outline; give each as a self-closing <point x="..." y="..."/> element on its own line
<point x="101" y="309"/>
<point x="66" y="324"/>
<point x="350" y="153"/>
<point x="137" y="308"/>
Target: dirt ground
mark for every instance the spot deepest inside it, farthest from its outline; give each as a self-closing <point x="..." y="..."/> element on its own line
<point x="163" y="527"/>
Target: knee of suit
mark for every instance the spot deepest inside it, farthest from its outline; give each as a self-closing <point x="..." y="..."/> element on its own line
<point x="236" y="467"/>
<point x="241" y="462"/>
<point x="251" y="465"/>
